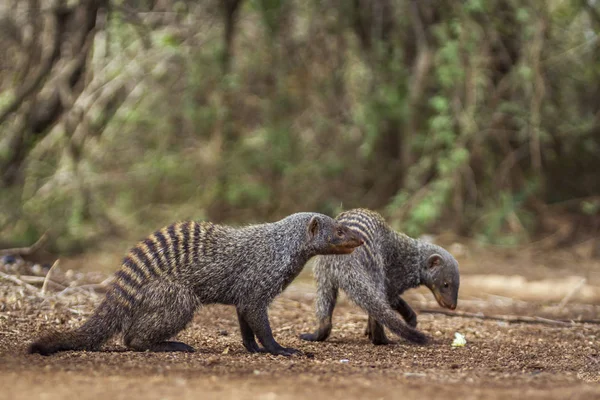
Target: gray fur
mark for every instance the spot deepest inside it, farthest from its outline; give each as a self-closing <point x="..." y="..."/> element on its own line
<point x="166" y="277"/>
<point x="377" y="273"/>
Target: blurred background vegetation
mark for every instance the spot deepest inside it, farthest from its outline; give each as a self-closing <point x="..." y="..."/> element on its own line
<point x="480" y="117"/>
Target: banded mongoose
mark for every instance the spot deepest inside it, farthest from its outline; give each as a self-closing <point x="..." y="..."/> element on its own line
<point x="166" y="277"/>
<point x="377" y="273"/>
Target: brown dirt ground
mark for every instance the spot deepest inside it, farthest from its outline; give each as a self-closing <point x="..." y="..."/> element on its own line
<point x="500" y="360"/>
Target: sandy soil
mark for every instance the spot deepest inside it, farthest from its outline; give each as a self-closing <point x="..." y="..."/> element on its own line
<point x="500" y="360"/>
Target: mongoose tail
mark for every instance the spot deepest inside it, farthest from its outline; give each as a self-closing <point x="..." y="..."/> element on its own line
<point x="100" y="327"/>
<point x="382" y="313"/>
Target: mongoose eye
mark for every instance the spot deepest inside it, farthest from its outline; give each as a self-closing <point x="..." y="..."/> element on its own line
<point x="446" y="285"/>
<point x="340" y="232"/>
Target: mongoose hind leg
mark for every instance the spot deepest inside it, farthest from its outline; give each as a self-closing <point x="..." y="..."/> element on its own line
<point x="257" y="320"/>
<point x="164" y="309"/>
<point x="326" y="299"/>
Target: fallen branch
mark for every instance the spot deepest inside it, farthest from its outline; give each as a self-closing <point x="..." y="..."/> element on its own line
<point x="19" y="282"/>
<point x="512" y="319"/>
<point x="39" y="279"/>
<point x="571" y="293"/>
<point x="25" y="251"/>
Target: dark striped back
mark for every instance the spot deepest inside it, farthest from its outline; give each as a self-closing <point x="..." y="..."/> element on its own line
<point x="165" y="252"/>
<point x="369" y="225"/>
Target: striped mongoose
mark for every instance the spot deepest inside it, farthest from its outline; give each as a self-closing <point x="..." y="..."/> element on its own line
<point x="377" y="273"/>
<point x="166" y="277"/>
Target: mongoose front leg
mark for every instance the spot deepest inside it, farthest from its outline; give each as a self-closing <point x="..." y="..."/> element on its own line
<point x="247" y="334"/>
<point x="326" y="300"/>
<point x="376" y="332"/>
<point x="409" y="315"/>
<point x="258" y="321"/>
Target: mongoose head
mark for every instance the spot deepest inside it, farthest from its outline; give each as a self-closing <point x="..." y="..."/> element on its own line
<point x="440" y="275"/>
<point x="327" y="236"/>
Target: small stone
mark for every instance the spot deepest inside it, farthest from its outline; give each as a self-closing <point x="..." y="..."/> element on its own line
<point x="344" y="361"/>
<point x="37" y="270"/>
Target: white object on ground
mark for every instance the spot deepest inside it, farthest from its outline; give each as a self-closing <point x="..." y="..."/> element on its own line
<point x="459" y="340"/>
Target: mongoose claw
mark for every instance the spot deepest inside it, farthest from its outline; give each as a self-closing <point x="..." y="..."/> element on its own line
<point x="311" y="337"/>
<point x="285" y="351"/>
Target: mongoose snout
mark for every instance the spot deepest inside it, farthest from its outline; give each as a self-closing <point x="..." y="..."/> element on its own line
<point x="442" y="278"/>
<point x="344" y="240"/>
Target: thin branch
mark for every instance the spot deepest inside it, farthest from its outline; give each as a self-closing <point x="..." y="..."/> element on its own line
<point x="512" y="319"/>
<point x="47" y="278"/>
<point x="25" y="251"/>
<point x="19" y="282"/>
<point x="132" y="17"/>
<point x="571" y="293"/>
<point x="34" y="84"/>
<point x="593" y="13"/>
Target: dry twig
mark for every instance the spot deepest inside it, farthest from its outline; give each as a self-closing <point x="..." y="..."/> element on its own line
<point x="47" y="278"/>
<point x="512" y="319"/>
<point x="25" y="251"/>
<point x="574" y="290"/>
<point x="20" y="282"/>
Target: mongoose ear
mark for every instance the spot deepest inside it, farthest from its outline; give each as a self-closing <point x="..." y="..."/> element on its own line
<point x="434" y="260"/>
<point x="313" y="227"/>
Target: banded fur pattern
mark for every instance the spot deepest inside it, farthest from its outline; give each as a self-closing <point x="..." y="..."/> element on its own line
<point x="165" y="277"/>
<point x="377" y="273"/>
<point x="369" y="226"/>
<point x="166" y="252"/>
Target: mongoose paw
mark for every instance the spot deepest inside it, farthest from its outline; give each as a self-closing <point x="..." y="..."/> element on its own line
<point x="285" y="351"/>
<point x="172" y="346"/>
<point x="310" y="337"/>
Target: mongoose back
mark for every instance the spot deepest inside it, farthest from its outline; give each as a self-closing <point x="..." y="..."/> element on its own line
<point x="377" y="274"/>
<point x="164" y="279"/>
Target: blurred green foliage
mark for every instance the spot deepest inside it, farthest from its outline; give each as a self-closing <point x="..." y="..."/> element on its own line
<point x="427" y="111"/>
